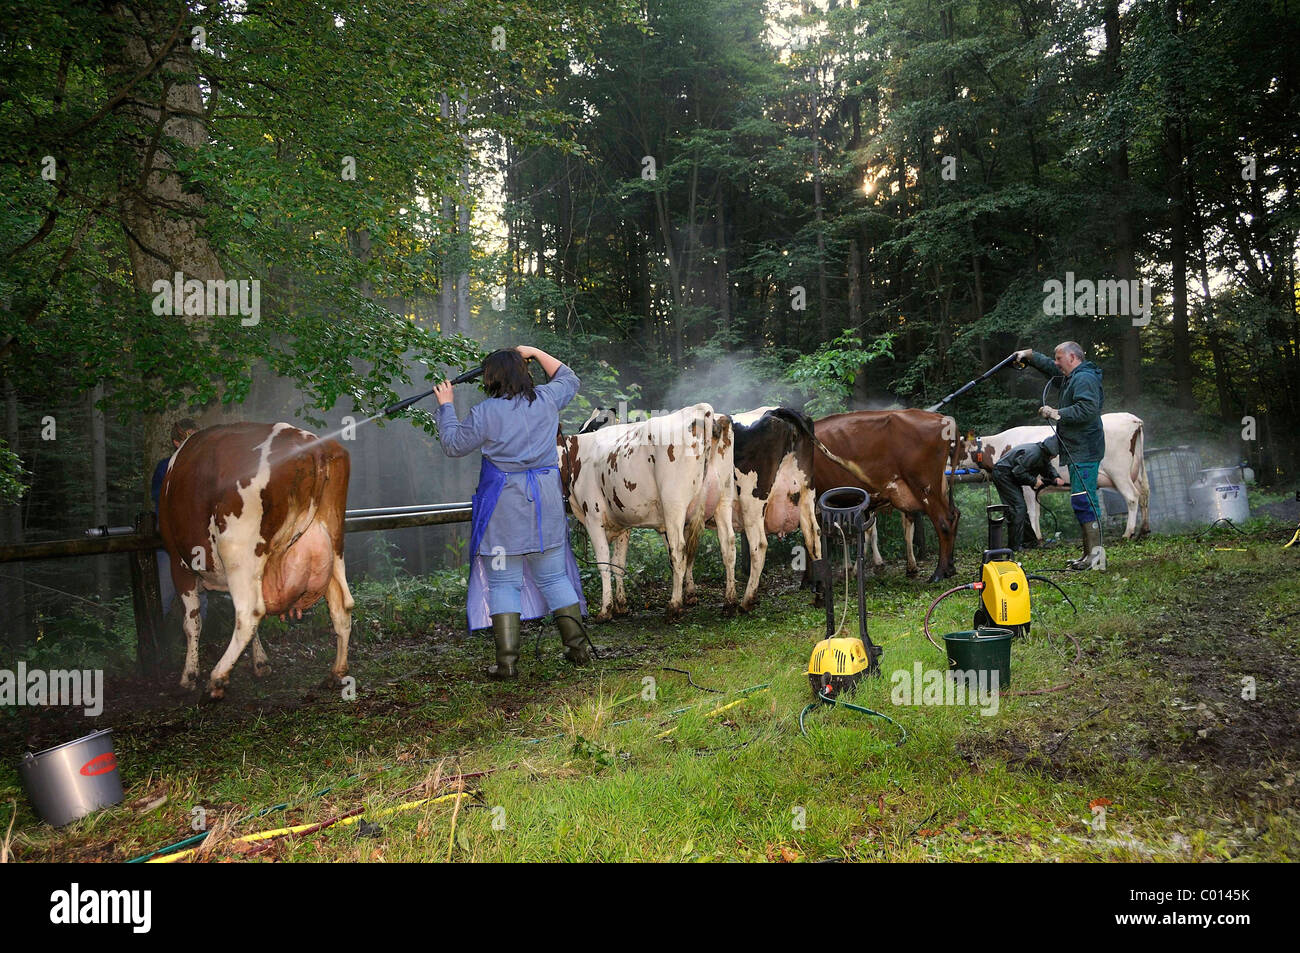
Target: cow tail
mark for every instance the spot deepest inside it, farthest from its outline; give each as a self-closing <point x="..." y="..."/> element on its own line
<point x="1138" y="469"/>
<point x="804" y="424"/>
<point x="957" y="452"/>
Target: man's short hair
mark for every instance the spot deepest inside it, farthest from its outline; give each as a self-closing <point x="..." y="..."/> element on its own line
<point x="183" y="428"/>
<point x="1071" y="347"/>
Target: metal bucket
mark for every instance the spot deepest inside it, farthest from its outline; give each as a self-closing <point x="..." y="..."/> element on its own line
<point x="70" y="780"/>
<point x="1171" y="472"/>
<point x="1220" y="493"/>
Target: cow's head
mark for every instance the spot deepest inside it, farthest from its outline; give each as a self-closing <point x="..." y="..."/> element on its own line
<point x="600" y="417"/>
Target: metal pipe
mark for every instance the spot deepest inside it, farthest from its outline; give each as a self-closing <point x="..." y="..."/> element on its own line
<point x="413" y="508"/>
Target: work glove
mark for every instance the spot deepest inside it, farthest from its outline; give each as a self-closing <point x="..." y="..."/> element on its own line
<point x="1051" y="413"/>
<point x="1026" y="354"/>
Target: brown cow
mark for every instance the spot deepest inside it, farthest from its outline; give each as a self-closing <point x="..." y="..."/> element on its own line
<point x="256" y="509"/>
<point x="904" y="453"/>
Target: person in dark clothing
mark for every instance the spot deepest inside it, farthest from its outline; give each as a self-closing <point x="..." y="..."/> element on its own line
<point x="1077" y="421"/>
<point x="1029" y="464"/>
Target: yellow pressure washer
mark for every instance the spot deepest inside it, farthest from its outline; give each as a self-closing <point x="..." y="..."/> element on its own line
<point x="1003" y="585"/>
<point x="839" y="662"/>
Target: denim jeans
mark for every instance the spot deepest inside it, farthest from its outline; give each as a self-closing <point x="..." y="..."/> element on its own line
<point x="548" y="570"/>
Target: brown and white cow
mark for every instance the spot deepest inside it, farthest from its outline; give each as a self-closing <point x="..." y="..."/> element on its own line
<point x="775" y="447"/>
<point x="257" y="510"/>
<point x="901" y="457"/>
<point x="1123" y="468"/>
<point x="669" y="473"/>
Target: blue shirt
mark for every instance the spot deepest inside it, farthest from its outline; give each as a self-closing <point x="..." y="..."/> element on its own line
<point x="516" y="436"/>
<point x="155" y="486"/>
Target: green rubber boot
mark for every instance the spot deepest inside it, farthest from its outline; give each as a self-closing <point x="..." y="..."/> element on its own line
<point x="1094" y="554"/>
<point x="572" y="634"/>
<point x="505" y="630"/>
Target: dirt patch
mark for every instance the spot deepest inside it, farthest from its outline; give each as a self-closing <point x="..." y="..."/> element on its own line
<point x="1237" y="706"/>
<point x="1285" y="511"/>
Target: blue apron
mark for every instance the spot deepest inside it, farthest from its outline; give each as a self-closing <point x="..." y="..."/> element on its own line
<point x="491" y="479"/>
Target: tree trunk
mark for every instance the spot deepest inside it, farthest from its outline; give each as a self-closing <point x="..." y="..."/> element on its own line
<point x="463" y="243"/>
<point x="1176" y="191"/>
<point x="160" y="218"/>
<point x="1125" y="255"/>
<point x="446" y="307"/>
<point x="724" y="276"/>
<point x="823" y="299"/>
<point x="99" y="482"/>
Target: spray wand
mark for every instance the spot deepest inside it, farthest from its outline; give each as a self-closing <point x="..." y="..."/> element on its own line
<point x="401" y="405"/>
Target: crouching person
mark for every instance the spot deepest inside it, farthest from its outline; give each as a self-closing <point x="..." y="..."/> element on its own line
<point x="1029" y="464"/>
<point x="521" y="564"/>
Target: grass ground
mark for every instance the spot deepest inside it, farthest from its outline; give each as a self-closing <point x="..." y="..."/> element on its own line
<point x="1151" y="753"/>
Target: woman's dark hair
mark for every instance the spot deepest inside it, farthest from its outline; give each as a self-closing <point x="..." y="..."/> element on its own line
<point x="505" y="374"/>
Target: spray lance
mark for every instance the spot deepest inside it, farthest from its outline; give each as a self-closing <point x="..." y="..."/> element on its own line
<point x="933" y="408"/>
<point x="471" y="374"/>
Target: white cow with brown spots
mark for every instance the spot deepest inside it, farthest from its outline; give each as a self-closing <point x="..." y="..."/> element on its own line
<point x="1123" y="468"/>
<point x="670" y="473"/>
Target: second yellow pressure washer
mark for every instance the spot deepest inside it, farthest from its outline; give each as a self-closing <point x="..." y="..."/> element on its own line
<point x="1003" y="586"/>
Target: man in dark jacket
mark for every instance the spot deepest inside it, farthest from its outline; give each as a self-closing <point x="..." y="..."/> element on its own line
<point x="1029" y="464"/>
<point x="1077" y="422"/>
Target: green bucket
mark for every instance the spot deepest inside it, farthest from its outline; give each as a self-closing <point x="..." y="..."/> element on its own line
<point x="981" y="650"/>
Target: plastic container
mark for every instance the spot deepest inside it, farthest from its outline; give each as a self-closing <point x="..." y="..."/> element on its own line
<point x="981" y="650"/>
<point x="70" y="780"/>
<point x="1171" y="472"/>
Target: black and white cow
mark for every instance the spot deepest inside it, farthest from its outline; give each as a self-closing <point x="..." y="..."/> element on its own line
<point x="773" y="462"/>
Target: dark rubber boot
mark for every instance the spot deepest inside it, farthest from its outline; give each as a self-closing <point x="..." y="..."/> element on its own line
<point x="572" y="634"/>
<point x="505" y="630"/>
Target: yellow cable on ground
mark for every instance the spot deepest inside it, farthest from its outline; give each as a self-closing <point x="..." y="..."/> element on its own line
<point x="1293" y="538"/>
<point x="710" y="714"/>
<point x="282" y="831"/>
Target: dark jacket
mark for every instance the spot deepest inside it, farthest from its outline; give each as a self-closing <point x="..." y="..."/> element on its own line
<point x="1082" y="438"/>
<point x="1029" y="461"/>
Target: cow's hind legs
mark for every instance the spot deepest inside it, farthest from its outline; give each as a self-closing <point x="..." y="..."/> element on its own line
<point x="187" y="587"/>
<point x="620" y="572"/>
<point x="193" y="620"/>
<point x="339" y="598"/>
<point x="246" y="594"/>
<point x="909" y="534"/>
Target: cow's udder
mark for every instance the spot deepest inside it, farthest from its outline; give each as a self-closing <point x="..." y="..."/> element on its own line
<point x="298" y="579"/>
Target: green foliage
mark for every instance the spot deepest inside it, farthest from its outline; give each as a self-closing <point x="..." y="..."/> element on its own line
<point x="12" y="476"/>
<point x="829" y="372"/>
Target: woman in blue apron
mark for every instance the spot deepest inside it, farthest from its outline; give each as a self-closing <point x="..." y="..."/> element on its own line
<point x="521" y="565"/>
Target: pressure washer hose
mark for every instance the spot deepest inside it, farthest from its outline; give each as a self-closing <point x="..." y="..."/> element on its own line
<point x="866" y="711"/>
<point x="926" y="623"/>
